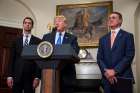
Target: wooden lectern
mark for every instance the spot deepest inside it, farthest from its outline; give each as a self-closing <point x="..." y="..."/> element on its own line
<point x="51" y="66"/>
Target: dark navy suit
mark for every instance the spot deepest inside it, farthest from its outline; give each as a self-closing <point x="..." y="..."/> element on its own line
<point x="68" y="73"/>
<point x="119" y="57"/>
<point x="23" y="71"/>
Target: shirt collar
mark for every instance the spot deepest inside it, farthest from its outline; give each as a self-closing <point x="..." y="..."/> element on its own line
<point x="116" y="30"/>
<point x="25" y="34"/>
<point x="62" y="33"/>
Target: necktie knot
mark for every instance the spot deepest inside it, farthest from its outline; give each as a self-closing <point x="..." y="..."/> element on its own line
<point x="26" y="36"/>
<point x="113" y="32"/>
<point x="60" y="33"/>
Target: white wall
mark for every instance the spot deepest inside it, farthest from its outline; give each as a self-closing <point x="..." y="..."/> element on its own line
<point x="43" y="12"/>
<point x="137" y="37"/>
<point x="12" y="13"/>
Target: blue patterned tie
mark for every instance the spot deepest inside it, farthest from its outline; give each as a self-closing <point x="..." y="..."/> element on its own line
<point x="59" y="39"/>
<point x="26" y="41"/>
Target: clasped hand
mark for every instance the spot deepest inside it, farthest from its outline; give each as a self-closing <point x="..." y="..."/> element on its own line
<point x="110" y="75"/>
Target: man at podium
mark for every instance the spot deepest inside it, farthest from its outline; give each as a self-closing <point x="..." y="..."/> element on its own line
<point x="59" y="36"/>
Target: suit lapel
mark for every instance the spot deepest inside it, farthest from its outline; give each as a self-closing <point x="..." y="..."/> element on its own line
<point x="31" y="40"/>
<point x="65" y="38"/>
<point x="108" y="41"/>
<point x="52" y="38"/>
<point x="117" y="39"/>
<point x="21" y="41"/>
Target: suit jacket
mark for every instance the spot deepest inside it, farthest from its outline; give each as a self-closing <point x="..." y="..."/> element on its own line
<point x="68" y="73"/>
<point x="120" y="56"/>
<point x="18" y="65"/>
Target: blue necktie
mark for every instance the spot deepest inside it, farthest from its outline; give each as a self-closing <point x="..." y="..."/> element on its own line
<point x="59" y="39"/>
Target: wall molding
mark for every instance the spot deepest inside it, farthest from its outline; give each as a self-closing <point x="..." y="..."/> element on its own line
<point x="32" y="13"/>
<point x="10" y="23"/>
<point x="18" y="23"/>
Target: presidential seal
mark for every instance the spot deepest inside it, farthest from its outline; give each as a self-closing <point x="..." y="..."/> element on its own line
<point x="44" y="49"/>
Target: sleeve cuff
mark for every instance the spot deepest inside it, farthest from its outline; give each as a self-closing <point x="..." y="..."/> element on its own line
<point x="37" y="78"/>
<point x="9" y="78"/>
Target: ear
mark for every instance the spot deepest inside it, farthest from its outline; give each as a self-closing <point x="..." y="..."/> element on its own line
<point x="120" y="22"/>
<point x="66" y="24"/>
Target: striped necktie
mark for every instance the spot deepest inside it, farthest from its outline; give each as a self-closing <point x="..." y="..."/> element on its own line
<point x="26" y="41"/>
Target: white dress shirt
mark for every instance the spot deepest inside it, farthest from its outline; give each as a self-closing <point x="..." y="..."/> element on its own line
<point x="116" y="31"/>
<point x="24" y="37"/>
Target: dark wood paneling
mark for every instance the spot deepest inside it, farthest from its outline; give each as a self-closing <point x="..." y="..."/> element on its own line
<point x="7" y="35"/>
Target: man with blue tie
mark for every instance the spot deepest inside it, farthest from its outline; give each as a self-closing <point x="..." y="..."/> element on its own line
<point x="115" y="55"/>
<point x="57" y="37"/>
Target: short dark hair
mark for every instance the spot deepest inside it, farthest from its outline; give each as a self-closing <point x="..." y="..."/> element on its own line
<point x="119" y="14"/>
<point x="29" y="19"/>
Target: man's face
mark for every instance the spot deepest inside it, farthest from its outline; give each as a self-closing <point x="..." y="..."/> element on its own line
<point x="60" y="24"/>
<point x="114" y="21"/>
<point x="27" y="25"/>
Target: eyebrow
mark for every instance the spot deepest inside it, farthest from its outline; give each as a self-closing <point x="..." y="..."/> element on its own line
<point x="112" y="17"/>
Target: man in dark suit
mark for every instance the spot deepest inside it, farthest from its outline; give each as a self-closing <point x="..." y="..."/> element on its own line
<point x="115" y="55"/>
<point x="23" y="75"/>
<point x="60" y="36"/>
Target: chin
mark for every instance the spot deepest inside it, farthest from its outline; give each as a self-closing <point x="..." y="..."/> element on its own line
<point x="28" y="30"/>
<point x="60" y="29"/>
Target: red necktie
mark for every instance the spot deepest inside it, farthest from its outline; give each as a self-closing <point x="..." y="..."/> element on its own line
<point x="112" y="38"/>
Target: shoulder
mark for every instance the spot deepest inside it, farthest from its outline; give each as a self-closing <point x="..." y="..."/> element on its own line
<point x="126" y="33"/>
<point x="48" y="34"/>
<point x="71" y="35"/>
<point x="105" y="36"/>
<point x="18" y="39"/>
<point x="36" y="39"/>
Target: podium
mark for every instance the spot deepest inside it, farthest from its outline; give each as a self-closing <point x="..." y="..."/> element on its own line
<point x="51" y="66"/>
